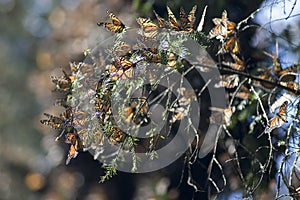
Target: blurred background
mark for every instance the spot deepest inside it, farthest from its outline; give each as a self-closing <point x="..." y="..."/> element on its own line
<point x="39" y="38"/>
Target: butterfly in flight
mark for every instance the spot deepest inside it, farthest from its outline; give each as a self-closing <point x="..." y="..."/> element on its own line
<point x="116" y="26"/>
<point x="58" y="122"/>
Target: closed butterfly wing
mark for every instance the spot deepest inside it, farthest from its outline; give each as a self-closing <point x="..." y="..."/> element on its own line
<point x="238" y="63"/>
<point x="72" y="154"/>
<point x="191" y="20"/>
<point x="173" y="24"/>
<point x="160" y="20"/>
<point x="231" y="45"/>
<point x="183" y="18"/>
<point x="75" y="145"/>
<point x="187" y="21"/>
<point x="228" y="81"/>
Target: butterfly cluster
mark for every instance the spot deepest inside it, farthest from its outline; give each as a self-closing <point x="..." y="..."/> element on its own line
<point x="123" y="65"/>
<point x="226" y="32"/>
<point x="65" y="121"/>
<point x="125" y="61"/>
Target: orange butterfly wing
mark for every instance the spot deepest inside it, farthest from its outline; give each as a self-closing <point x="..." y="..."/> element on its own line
<point x="116" y="26"/>
<point x="280" y="118"/>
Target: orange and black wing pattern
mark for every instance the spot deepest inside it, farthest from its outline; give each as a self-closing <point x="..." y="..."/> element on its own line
<point x="160" y="20"/>
<point x="223" y="27"/>
<point x="116" y="26"/>
<point x="54" y="121"/>
<point x="187" y="21"/>
<point x="149" y="28"/>
<point x="76" y="145"/>
<point x="116" y="135"/>
<point x="173" y="24"/>
<point x="137" y="111"/>
<point x="280" y="117"/>
<point x="64" y="83"/>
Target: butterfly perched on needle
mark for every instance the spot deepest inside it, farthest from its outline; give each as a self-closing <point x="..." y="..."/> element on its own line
<point x="186" y="21"/>
<point x="278" y="120"/>
<point x="223" y="27"/>
<point x="280" y="117"/>
<point x="116" y="135"/>
<point x="116" y="26"/>
<point x="149" y="28"/>
<point x="137" y="111"/>
<point x="231" y="45"/>
<point x="64" y="83"/>
<point x="73" y="139"/>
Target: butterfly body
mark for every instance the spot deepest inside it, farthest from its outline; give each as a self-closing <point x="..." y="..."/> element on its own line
<point x="116" y="26"/>
<point x="76" y="145"/>
<point x="279" y="119"/>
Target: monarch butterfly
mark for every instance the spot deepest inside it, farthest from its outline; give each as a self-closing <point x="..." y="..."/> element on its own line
<point x="116" y="135"/>
<point x="116" y="26"/>
<point x="244" y="93"/>
<point x="149" y="28"/>
<point x="121" y="68"/>
<point x="75" y="142"/>
<point x="279" y="119"/>
<point x="152" y="56"/>
<point x="228" y="112"/>
<point x="187" y="22"/>
<point x="160" y="20"/>
<point x="228" y="81"/>
<point x="288" y="74"/>
<point x="57" y="122"/>
<point x="173" y="24"/>
<point x="223" y="27"/>
<point x="172" y="60"/>
<point x="117" y="73"/>
<point x="123" y="63"/>
<point x="181" y="107"/>
<point x="231" y="45"/>
<point x="291" y="85"/>
<point x="64" y="83"/>
<point x="137" y="111"/>
<point x="238" y="63"/>
<point x="276" y="62"/>
<point x="265" y="74"/>
<point x="53" y="121"/>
